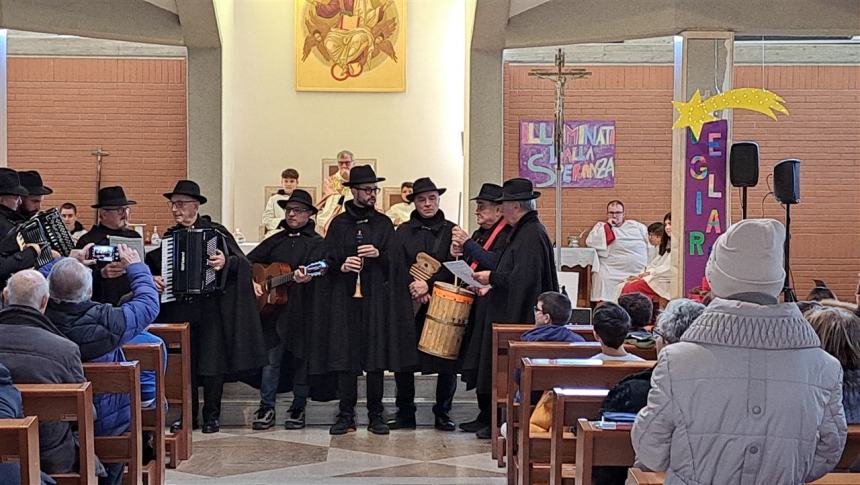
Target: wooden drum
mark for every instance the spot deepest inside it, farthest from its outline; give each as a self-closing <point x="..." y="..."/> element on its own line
<point x="446" y="319"/>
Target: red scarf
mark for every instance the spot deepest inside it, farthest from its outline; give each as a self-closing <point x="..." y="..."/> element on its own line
<point x="489" y="243"/>
<point x="610" y="236"/>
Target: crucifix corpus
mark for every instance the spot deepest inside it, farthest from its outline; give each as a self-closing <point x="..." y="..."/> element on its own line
<point x="560" y="75"/>
<point x="99" y="153"/>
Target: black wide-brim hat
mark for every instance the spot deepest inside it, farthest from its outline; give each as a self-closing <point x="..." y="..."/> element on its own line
<point x="189" y="188"/>
<point x="10" y="183"/>
<point x="489" y="192"/>
<point x="32" y="181"/>
<point x="362" y="174"/>
<point x="518" y="189"/>
<point x="423" y="185"/>
<point x="112" y="197"/>
<point x="302" y="197"/>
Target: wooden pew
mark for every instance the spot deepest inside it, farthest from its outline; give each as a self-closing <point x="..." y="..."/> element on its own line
<point x="177" y="387"/>
<point x="66" y="402"/>
<point x="19" y="443"/>
<point x="567" y="409"/>
<point x="540" y="374"/>
<point x="600" y="447"/>
<point x="151" y="358"/>
<point x="503" y="333"/>
<point x="636" y="476"/>
<point x="120" y="378"/>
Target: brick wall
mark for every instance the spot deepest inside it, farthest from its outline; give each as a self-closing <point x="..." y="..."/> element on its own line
<point x="61" y="109"/>
<point x="823" y="131"/>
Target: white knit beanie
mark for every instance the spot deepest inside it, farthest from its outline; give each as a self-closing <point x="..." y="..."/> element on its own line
<point x="747" y="258"/>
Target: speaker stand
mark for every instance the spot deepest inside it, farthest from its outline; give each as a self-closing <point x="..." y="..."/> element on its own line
<point x="788" y="295"/>
<point x="743" y="202"/>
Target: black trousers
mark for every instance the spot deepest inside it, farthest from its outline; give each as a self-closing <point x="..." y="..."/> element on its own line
<point x="347" y="388"/>
<point x="446" y="386"/>
<point x="485" y="414"/>
<point x="213" y="387"/>
<point x="301" y="388"/>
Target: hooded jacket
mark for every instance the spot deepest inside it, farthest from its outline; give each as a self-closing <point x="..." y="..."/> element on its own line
<point x="747" y="397"/>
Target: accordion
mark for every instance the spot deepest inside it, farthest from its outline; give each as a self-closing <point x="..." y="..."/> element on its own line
<point x="47" y="230"/>
<point x="185" y="263"/>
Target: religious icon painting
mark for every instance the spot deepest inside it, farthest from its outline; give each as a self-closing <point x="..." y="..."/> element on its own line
<point x="351" y="45"/>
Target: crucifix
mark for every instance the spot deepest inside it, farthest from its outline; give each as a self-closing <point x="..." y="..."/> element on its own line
<point x="99" y="153"/>
<point x="559" y="76"/>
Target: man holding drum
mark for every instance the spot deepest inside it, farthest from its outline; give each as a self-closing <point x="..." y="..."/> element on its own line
<point x="426" y="233"/>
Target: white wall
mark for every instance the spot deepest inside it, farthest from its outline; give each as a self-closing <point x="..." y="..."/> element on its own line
<point x="269" y="126"/>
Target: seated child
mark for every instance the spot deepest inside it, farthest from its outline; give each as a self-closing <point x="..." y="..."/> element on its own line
<point x="552" y="313"/>
<point x="611" y="324"/>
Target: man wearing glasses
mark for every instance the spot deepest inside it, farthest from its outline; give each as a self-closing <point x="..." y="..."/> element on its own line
<point x="622" y="247"/>
<point x="296" y="244"/>
<point x="363" y="337"/>
<point x="109" y="281"/>
<point x="335" y="191"/>
<point x="226" y="335"/>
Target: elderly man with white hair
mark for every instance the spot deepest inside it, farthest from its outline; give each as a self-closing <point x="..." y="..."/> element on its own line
<point x="100" y="329"/>
<point x="35" y="352"/>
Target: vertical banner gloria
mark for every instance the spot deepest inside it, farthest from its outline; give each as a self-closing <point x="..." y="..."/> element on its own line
<point x="705" y="198"/>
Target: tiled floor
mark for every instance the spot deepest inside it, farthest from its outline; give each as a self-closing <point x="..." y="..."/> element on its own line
<point x="239" y="456"/>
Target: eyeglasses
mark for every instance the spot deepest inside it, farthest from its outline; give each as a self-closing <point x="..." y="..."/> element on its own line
<point x="117" y="210"/>
<point x="368" y="190"/>
<point x="180" y="204"/>
<point x="616" y="213"/>
<point x="295" y="210"/>
<point x="536" y="309"/>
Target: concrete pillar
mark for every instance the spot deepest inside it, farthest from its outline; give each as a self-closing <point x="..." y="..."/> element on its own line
<point x="204" y="127"/>
<point x="4" y="139"/>
<point x="486" y="123"/>
<point x="703" y="62"/>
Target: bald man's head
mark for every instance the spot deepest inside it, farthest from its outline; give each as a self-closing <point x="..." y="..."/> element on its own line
<point x="27" y="288"/>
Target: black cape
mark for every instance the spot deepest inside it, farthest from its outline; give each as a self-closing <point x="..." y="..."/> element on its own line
<point x="476" y="355"/>
<point x="106" y="290"/>
<point x="226" y="334"/>
<point x="526" y="269"/>
<point x="362" y="336"/>
<point x="431" y="236"/>
<point x="12" y="259"/>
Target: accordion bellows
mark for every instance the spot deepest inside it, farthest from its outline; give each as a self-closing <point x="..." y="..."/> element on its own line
<point x="47" y="230"/>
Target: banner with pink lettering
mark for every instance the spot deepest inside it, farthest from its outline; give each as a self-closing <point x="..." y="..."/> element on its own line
<point x="588" y="155"/>
<point x="705" y="198"/>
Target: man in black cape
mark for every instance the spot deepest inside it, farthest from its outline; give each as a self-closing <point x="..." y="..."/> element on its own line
<point x="285" y="326"/>
<point x="482" y="252"/>
<point x="526" y="267"/>
<point x="110" y="283"/>
<point x="362" y="335"/>
<point x="13" y="257"/>
<point x="427" y="231"/>
<point x="31" y="204"/>
<point x="226" y="334"/>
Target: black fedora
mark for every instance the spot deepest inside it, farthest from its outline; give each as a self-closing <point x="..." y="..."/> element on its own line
<point x="32" y="181"/>
<point x="302" y="197"/>
<point x="112" y="197"/>
<point x="422" y="185"/>
<point x="189" y="188"/>
<point x="518" y="189"/>
<point x="362" y="174"/>
<point x="10" y="183"/>
<point x="489" y="193"/>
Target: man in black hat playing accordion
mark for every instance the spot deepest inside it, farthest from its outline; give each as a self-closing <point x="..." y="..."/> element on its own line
<point x="288" y="333"/>
<point x="13" y="258"/>
<point x="226" y="335"/>
<point x="426" y="233"/>
<point x="31" y="203"/>
<point x="482" y="252"/>
<point x="109" y="281"/>
<point x="363" y="337"/>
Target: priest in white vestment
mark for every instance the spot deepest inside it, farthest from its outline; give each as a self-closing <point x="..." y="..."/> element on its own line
<point x="622" y="247"/>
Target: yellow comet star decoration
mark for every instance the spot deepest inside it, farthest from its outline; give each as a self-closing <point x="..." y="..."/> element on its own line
<point x="695" y="112"/>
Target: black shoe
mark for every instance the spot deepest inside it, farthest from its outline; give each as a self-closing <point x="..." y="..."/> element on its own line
<point x="399" y="422"/>
<point x="377" y="425"/>
<point x="444" y="423"/>
<point x="484" y="433"/>
<point x="264" y="418"/>
<point x="472" y="426"/>
<point x="177" y="425"/>
<point x="296" y="419"/>
<point x="343" y="425"/>
<point x="212" y="426"/>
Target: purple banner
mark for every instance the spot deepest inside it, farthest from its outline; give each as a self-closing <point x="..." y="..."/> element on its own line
<point x="705" y="198"/>
<point x="588" y="154"/>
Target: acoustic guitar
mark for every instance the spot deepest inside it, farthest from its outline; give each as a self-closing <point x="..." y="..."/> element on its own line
<point x="276" y="278"/>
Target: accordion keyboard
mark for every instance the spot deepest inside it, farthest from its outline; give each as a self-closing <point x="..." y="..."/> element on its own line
<point x="167" y="250"/>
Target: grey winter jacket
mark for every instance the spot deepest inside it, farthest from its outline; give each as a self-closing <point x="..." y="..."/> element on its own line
<point x="747" y="397"/>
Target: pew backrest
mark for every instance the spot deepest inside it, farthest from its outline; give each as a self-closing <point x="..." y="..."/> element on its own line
<point x="19" y="443"/>
<point x="177" y="386"/>
<point x="151" y="358"/>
